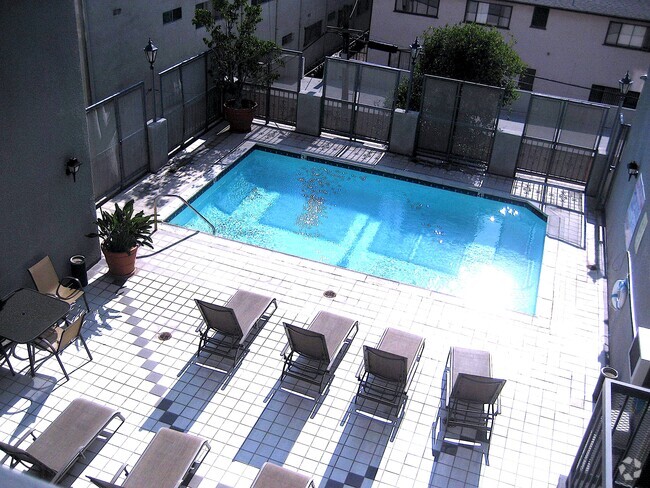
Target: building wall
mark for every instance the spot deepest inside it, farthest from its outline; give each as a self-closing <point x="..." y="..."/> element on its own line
<point x="570" y="50"/>
<point x="43" y="124"/>
<point x="116" y="35"/>
<point x="621" y="332"/>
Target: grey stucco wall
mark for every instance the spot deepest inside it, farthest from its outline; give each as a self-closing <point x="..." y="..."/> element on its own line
<point x="42" y="122"/>
<point x="620" y="321"/>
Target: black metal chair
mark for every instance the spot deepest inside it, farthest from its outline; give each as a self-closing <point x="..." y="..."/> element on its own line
<point x="56" y="339"/>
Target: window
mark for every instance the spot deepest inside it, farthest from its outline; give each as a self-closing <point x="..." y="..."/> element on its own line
<point x="527" y="80"/>
<point x="610" y="96"/>
<point x="259" y="2"/>
<point x="628" y="35"/>
<point x="172" y="15"/>
<point x="312" y="33"/>
<point x="287" y="39"/>
<point x="540" y="17"/>
<point x="420" y="7"/>
<point x="488" y="14"/>
<point x="203" y="6"/>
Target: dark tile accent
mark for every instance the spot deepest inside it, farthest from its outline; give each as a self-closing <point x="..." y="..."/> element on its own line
<point x="129" y="310"/>
<point x="158" y="390"/>
<point x="333" y="484"/>
<point x="154" y="377"/>
<point x="149" y="364"/>
<point x="168" y="418"/>
<point x="371" y="472"/>
<point x="355" y="480"/>
<point x="141" y="342"/>
<point x="134" y="321"/>
<point x="136" y="331"/>
<point x="145" y="353"/>
<point x="451" y="450"/>
<point x="126" y="300"/>
<point x="164" y="404"/>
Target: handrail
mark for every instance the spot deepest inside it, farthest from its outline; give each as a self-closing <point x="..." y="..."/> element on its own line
<point x="188" y="204"/>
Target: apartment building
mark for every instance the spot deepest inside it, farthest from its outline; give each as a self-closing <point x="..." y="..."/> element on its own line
<point x="114" y="35"/>
<point x="573" y="48"/>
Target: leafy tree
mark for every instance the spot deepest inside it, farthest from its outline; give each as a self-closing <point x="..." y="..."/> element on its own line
<point x="467" y="52"/>
<point x="238" y="56"/>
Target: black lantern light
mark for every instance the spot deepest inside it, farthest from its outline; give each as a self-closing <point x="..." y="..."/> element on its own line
<point x="151" y="51"/>
<point x="72" y="168"/>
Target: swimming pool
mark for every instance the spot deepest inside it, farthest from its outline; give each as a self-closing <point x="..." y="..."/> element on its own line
<point x="481" y="249"/>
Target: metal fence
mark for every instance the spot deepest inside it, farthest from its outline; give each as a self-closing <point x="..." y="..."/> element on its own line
<point x="458" y="119"/>
<point x="117" y="133"/>
<point x="279" y="103"/>
<point x="615" y="447"/>
<point x="561" y="138"/>
<point x="358" y="99"/>
<point x="189" y="102"/>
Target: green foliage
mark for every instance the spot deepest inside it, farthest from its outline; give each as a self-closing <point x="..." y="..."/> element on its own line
<point x="122" y="230"/>
<point x="468" y="52"/>
<point x="238" y="56"/>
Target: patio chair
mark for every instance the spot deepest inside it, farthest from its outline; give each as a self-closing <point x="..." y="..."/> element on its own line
<point x="170" y="459"/>
<point x="232" y="323"/>
<point x="56" y="339"/>
<point x="45" y="279"/>
<point x="311" y="352"/>
<point x="5" y="351"/>
<point x="55" y="451"/>
<point x="274" y="476"/>
<point x="388" y="369"/>
<point x="472" y="401"/>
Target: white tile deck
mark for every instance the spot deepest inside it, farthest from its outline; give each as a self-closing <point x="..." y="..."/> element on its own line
<point x="550" y="360"/>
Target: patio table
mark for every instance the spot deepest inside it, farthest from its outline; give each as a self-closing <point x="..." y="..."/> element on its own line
<point x="26" y="314"/>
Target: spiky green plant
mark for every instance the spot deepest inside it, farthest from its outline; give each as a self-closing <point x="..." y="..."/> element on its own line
<point x="122" y="230"/>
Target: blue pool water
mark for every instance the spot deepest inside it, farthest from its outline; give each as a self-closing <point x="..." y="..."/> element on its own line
<point x="484" y="250"/>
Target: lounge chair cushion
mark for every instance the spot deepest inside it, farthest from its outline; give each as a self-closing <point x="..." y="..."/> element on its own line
<point x="248" y="308"/>
<point x="401" y="343"/>
<point x="70" y="433"/>
<point x="165" y="461"/>
<point x="273" y="476"/>
<point x="469" y="361"/>
<point x="334" y="329"/>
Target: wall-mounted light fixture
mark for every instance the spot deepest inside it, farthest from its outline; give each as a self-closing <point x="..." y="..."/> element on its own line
<point x="72" y="168"/>
<point x="416" y="47"/>
<point x="632" y="170"/>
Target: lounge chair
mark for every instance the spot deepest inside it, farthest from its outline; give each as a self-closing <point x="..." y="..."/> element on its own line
<point x="232" y="323"/>
<point x="56" y="339"/>
<point x="274" y="476"/>
<point x="311" y="352"/>
<point x="170" y="459"/>
<point x="56" y="450"/>
<point x="68" y="289"/>
<point x="388" y="369"/>
<point x="472" y="400"/>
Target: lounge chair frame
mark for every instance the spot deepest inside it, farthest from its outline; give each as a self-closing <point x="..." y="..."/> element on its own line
<point x="472" y="404"/>
<point x="313" y="364"/>
<point x="5" y="351"/>
<point x="230" y="339"/>
<point x="274" y="476"/>
<point x="150" y="454"/>
<point x="384" y="377"/>
<point x="29" y="460"/>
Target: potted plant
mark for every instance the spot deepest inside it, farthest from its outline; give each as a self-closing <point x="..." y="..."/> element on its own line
<point x="122" y="233"/>
<point x="238" y="56"/>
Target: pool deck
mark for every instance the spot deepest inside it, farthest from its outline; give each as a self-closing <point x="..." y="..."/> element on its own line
<point x="550" y="360"/>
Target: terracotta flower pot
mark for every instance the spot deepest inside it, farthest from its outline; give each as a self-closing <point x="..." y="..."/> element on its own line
<point x="240" y="119"/>
<point x="120" y="263"/>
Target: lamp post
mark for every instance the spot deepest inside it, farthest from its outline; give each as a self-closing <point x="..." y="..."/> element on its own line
<point x="415" y="51"/>
<point x="150" y="50"/>
<point x="624" y="85"/>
